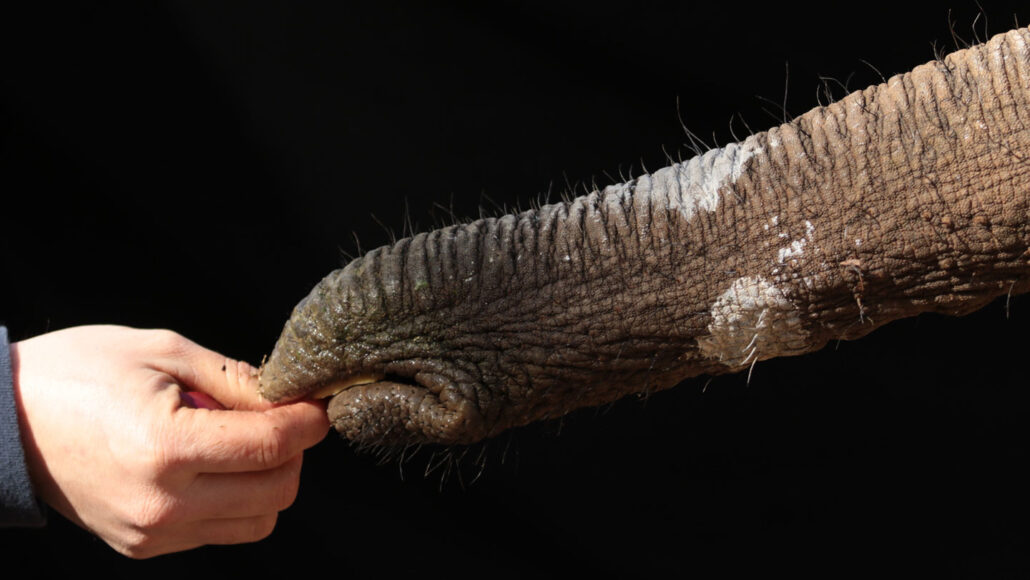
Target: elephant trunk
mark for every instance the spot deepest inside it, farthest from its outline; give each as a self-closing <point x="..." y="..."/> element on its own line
<point x="907" y="197"/>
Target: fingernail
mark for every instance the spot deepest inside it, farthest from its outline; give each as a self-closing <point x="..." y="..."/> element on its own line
<point x="198" y="400"/>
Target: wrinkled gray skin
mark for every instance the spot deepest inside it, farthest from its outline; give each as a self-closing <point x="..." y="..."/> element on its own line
<point x="907" y="197"/>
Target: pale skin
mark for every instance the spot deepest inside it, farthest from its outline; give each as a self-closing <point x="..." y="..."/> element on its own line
<point x="113" y="445"/>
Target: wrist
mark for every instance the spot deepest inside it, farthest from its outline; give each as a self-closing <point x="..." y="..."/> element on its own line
<point x="19" y="506"/>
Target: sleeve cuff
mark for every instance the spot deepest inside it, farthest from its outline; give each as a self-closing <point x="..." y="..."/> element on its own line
<point x="18" y="504"/>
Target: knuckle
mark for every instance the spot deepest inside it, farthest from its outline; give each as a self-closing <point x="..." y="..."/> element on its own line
<point x="136" y="544"/>
<point x="258" y="528"/>
<point x="287" y="493"/>
<point x="158" y="452"/>
<point x="265" y="526"/>
<point x="272" y="448"/>
<point x="244" y="370"/>
<point x="167" y="341"/>
<point x="153" y="512"/>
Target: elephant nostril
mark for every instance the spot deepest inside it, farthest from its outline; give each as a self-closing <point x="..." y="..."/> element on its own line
<point x="412" y="402"/>
<point x="391" y="412"/>
<point x="345" y="383"/>
<point x="428" y="381"/>
<point x="401" y="380"/>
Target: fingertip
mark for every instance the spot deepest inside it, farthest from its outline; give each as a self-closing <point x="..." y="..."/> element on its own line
<point x="233" y="383"/>
<point x="317" y="412"/>
<point x="241" y="379"/>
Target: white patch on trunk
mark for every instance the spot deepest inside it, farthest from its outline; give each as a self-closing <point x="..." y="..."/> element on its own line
<point x="753" y="320"/>
<point x="797" y="247"/>
<point x="690" y="186"/>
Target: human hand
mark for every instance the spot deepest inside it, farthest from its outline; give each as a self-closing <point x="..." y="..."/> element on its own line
<point x="112" y="444"/>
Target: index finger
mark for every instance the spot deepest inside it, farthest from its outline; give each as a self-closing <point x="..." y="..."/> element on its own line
<point x="230" y="382"/>
<point x="217" y="441"/>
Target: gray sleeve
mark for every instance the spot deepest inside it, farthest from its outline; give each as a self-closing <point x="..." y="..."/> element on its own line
<point x="18" y="504"/>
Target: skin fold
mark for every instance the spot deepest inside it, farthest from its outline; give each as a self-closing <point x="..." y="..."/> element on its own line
<point x="906" y="197"/>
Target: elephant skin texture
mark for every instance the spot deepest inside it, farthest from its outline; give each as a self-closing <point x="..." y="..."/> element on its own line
<point x="907" y="197"/>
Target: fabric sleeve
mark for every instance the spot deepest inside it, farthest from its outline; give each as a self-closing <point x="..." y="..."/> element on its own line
<point x="18" y="504"/>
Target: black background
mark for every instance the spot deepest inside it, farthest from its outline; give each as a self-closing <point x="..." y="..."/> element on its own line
<point x="199" y="166"/>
